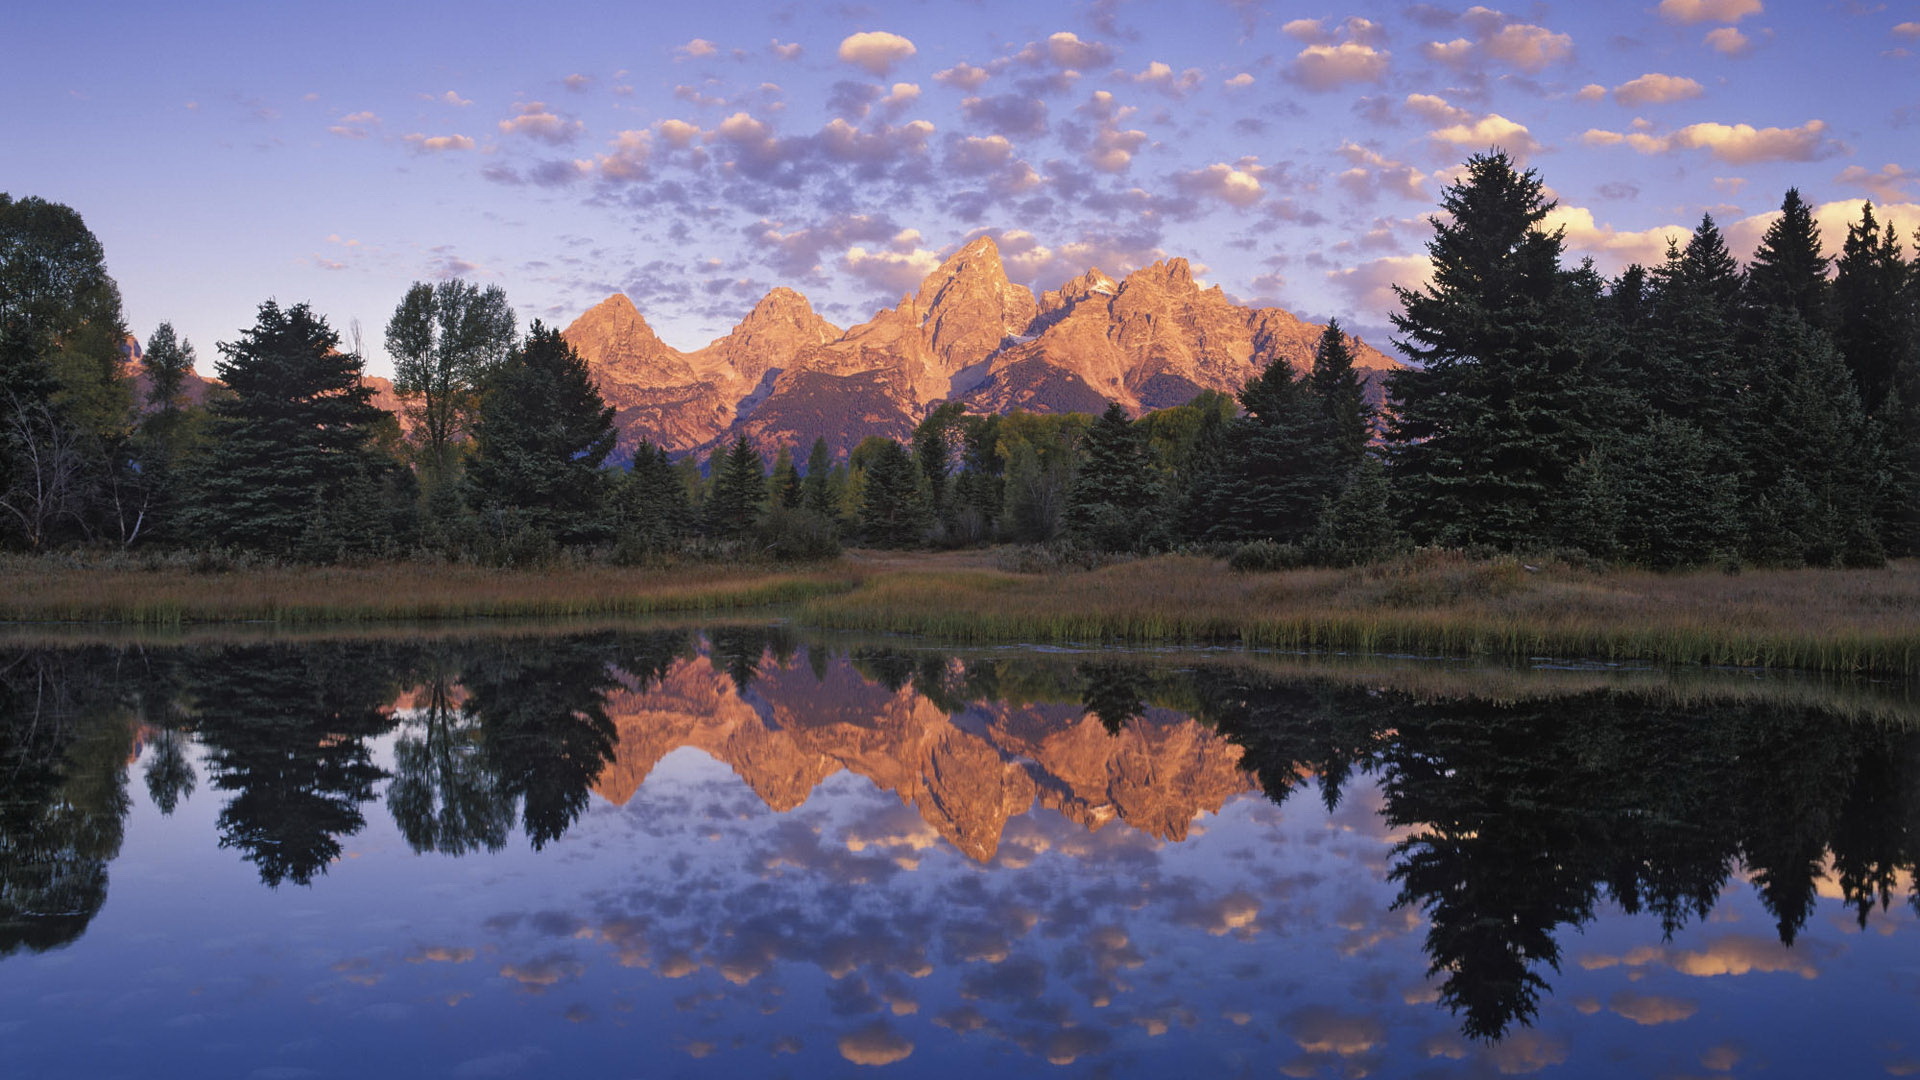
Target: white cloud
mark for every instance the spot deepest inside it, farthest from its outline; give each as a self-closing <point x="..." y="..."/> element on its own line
<point x="1890" y="183"/>
<point x="1324" y="67"/>
<point x="536" y="122"/>
<point x="1236" y="185"/>
<point x="963" y="76"/>
<point x="434" y="144"/>
<point x="1656" y="89"/>
<point x="1453" y="53"/>
<point x="1162" y="78"/>
<point x="1435" y="109"/>
<point x="1728" y="41"/>
<point x="1068" y="51"/>
<point x="1238" y="81"/>
<point x="1370" y="285"/>
<point x="1528" y="47"/>
<point x="1688" y="12"/>
<point x="876" y="50"/>
<point x="891" y="271"/>
<point x="1738" y="144"/>
<point x="1373" y="173"/>
<point x="1491" y="130"/>
<point x="785" y="50"/>
<point x="695" y="49"/>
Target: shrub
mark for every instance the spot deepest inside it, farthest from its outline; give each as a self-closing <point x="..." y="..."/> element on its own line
<point x="1262" y="556"/>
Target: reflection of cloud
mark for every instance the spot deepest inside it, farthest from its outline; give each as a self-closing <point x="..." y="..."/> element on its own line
<point x="1721" y="1058"/>
<point x="1237" y="912"/>
<point x="875" y="1044"/>
<point x="440" y="954"/>
<point x="1649" y="1009"/>
<point x="1321" y="1030"/>
<point x="538" y="974"/>
<point x="1733" y="954"/>
<point x="1527" y="1052"/>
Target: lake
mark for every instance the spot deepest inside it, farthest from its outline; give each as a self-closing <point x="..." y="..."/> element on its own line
<point x="739" y="850"/>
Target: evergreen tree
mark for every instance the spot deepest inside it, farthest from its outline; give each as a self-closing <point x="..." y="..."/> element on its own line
<point x="936" y="440"/>
<point x="1357" y="526"/>
<point x="893" y="512"/>
<point x="652" y="509"/>
<point x="784" y="486"/>
<point x="1789" y="271"/>
<point x="980" y="489"/>
<point x="738" y="493"/>
<point x="1111" y="504"/>
<point x="294" y="441"/>
<point x="542" y="433"/>
<point x="1869" y="326"/>
<point x="1485" y="427"/>
<point x="815" y="495"/>
<point x="1266" y="474"/>
<point x="1336" y="391"/>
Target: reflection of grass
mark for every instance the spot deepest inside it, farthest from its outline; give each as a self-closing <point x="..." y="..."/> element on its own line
<point x="1430" y="603"/>
<point x="41" y="590"/>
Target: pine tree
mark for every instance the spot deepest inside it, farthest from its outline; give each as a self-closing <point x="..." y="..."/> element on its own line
<point x="815" y="494"/>
<point x="1337" y="392"/>
<point x="738" y="492"/>
<point x="1789" y="271"/>
<point x="1357" y="526"/>
<point x="784" y="486"/>
<point x="293" y="439"/>
<point x="1869" y="287"/>
<point x="652" y="509"/>
<point x="893" y="512"/>
<point x="542" y="434"/>
<point x="980" y="489"/>
<point x="1266" y="474"/>
<point x="935" y="442"/>
<point x="1485" y="428"/>
<point x="1112" y="501"/>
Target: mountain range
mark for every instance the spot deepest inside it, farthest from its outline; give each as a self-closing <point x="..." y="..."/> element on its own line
<point x="785" y="375"/>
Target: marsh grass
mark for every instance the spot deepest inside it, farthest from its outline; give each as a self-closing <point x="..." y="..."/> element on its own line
<point x="45" y="590"/>
<point x="1428" y="604"/>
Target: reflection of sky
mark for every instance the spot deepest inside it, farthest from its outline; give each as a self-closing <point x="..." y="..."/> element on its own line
<point x="693" y="931"/>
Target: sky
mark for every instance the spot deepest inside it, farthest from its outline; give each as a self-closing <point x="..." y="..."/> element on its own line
<point x="695" y="155"/>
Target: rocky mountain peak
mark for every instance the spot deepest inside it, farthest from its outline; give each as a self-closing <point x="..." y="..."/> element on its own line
<point x="970" y="307"/>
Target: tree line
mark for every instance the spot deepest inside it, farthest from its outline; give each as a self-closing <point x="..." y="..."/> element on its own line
<point x="1693" y="412"/>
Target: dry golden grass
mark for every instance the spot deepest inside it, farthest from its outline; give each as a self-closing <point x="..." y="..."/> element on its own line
<point x="43" y="590"/>
<point x="1431" y="603"/>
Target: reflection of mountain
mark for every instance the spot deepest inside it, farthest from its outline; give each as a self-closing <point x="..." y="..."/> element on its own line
<point x="966" y="773"/>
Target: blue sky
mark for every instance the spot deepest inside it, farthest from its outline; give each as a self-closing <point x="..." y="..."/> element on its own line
<point x="695" y="155"/>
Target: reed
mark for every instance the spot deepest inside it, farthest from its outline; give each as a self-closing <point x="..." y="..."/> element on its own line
<point x="1429" y="604"/>
<point x="41" y="591"/>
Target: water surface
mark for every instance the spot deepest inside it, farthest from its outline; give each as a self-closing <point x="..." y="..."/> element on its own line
<point x="738" y="852"/>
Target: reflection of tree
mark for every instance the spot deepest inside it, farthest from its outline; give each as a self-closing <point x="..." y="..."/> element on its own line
<point x="285" y="729"/>
<point x="443" y="796"/>
<point x="170" y="775"/>
<point x="738" y="650"/>
<point x="545" y="732"/>
<point x="1113" y="693"/>
<point x="1525" y="814"/>
<point x="64" y="742"/>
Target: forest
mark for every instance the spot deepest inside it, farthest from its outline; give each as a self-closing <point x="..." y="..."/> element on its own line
<point x="1693" y="413"/>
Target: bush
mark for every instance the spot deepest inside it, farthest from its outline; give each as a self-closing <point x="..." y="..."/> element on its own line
<point x="787" y="534"/>
<point x="1059" y="556"/>
<point x="1262" y="556"/>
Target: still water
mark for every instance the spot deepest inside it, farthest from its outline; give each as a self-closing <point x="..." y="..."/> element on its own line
<point x="736" y="852"/>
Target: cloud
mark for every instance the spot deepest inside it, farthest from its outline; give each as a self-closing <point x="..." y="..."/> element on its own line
<point x="785" y="50"/>
<point x="1238" y="81"/>
<point x="1728" y="41"/>
<point x="1656" y="89"/>
<point x="1235" y="185"/>
<point x="1890" y="184"/>
<point x="1372" y="173"/>
<point x="695" y="49"/>
<point x="1007" y="114"/>
<point x="1435" y="109"/>
<point x="1528" y="47"/>
<point x="1162" y="78"/>
<point x="1648" y="1010"/>
<point x="1738" y="144"/>
<point x="1068" y="51"/>
<point x="577" y="82"/>
<point x="1311" y="31"/>
<point x="1453" y="53"/>
<point x="1326" y="67"/>
<point x="1907" y="30"/>
<point x="629" y="157"/>
<point x="451" y="98"/>
<point x="535" y="122"/>
<point x="977" y="155"/>
<point x="876" y="50"/>
<point x="963" y="76"/>
<point x="1111" y="147"/>
<point x="355" y="125"/>
<point x="1613" y="248"/>
<point x="796" y="253"/>
<point x="892" y="272"/>
<point x="1370" y="285"/>
<point x="1591" y="92"/>
<point x="875" y="1044"/>
<point x="1688" y="12"/>
<point x="1491" y="130"/>
<point x="435" y="144"/>
<point x="1029" y="261"/>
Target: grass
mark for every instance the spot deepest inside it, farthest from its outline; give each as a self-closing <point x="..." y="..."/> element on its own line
<point x="1430" y="604"/>
<point x="45" y="590"/>
<point x="1427" y="604"/>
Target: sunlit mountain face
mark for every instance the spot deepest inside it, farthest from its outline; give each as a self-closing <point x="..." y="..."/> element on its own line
<point x="744" y="851"/>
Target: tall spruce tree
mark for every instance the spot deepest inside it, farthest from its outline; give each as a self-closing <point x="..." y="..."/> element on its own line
<point x="815" y="494"/>
<point x="979" y="490"/>
<point x="738" y="492"/>
<point x="1869" y="292"/>
<point x="1265" y="474"/>
<point x="292" y="445"/>
<point x="652" y="509"/>
<point x="1111" y="504"/>
<point x="893" y="512"/>
<point x="1336" y="390"/>
<point x="1487" y="424"/>
<point x="1789" y="271"/>
<point x="542" y="433"/>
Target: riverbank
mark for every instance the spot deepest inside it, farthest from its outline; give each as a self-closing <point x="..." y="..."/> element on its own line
<point x="1430" y="603"/>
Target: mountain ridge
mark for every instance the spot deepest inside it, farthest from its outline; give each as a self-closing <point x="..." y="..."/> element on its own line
<point x="784" y="376"/>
